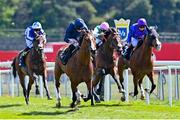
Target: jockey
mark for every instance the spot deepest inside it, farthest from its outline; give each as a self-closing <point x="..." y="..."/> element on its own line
<point x="30" y="37"/>
<point x="137" y="32"/>
<point x="72" y="35"/>
<point x="99" y="31"/>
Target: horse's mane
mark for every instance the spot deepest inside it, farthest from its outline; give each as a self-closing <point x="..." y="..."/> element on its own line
<point x="82" y="34"/>
<point x="110" y="31"/>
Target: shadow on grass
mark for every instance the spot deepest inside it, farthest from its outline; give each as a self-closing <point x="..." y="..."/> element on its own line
<point x="11" y="105"/>
<point x="49" y="113"/>
<point x="105" y="105"/>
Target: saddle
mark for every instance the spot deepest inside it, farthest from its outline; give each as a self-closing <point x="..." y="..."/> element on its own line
<point x="67" y="53"/>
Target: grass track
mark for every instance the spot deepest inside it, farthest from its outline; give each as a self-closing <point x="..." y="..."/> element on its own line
<point x="43" y="109"/>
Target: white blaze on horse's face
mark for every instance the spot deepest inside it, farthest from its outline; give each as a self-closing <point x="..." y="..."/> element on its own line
<point x="158" y="44"/>
<point x="93" y="45"/>
<point x="41" y="43"/>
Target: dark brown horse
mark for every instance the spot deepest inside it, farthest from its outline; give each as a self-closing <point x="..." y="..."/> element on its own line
<point x="141" y="62"/>
<point x="35" y="65"/>
<point x="79" y="69"/>
<point x="105" y="60"/>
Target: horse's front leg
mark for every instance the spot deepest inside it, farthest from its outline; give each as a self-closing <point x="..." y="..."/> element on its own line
<point x="90" y="92"/>
<point x="36" y="85"/>
<point x="150" y="76"/>
<point x="74" y="91"/>
<point x="31" y="81"/>
<point x="120" y="87"/>
<point x="142" y="89"/>
<point x="121" y="79"/>
<point x="135" y="81"/>
<point x="34" y="77"/>
<point x="98" y="76"/>
<point x="46" y="86"/>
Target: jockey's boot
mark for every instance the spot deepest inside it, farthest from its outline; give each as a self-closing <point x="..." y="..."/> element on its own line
<point x="127" y="54"/>
<point x="71" y="50"/>
<point x="22" y="56"/>
<point x="93" y="57"/>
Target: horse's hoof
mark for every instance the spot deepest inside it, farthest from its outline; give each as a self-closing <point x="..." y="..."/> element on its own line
<point x="131" y="94"/>
<point x="97" y="100"/>
<point x="147" y="90"/>
<point x="92" y="104"/>
<point x="27" y="101"/>
<point x="49" y="98"/>
<point x="58" y="105"/>
<point x="72" y="105"/>
<point x="78" y="102"/>
<point x="142" y="97"/>
<point x="122" y="99"/>
<point x="85" y="99"/>
<point x="121" y="91"/>
<point x="37" y="92"/>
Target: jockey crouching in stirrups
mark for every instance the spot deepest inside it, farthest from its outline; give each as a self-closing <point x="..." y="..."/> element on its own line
<point x="99" y="32"/>
<point x="30" y="37"/>
<point x="136" y="36"/>
<point x="72" y="36"/>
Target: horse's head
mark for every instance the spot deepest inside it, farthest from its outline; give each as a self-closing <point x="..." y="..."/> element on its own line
<point x="39" y="42"/>
<point x="88" y="39"/>
<point x="153" y="38"/>
<point x="113" y="39"/>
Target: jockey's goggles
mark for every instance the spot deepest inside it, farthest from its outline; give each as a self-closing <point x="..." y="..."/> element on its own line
<point x="142" y="27"/>
<point x="37" y="29"/>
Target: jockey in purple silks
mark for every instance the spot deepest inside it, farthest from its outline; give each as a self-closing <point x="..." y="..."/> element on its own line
<point x="137" y="32"/>
<point x="30" y="37"/>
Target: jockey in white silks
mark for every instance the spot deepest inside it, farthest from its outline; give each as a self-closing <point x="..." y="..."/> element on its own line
<point x="30" y="37"/>
<point x="99" y="31"/>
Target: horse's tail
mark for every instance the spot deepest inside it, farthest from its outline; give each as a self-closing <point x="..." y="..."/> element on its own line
<point x="14" y="68"/>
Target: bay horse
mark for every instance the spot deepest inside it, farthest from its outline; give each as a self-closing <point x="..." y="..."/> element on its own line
<point x="35" y="65"/>
<point x="141" y="62"/>
<point x="79" y="69"/>
<point x="105" y="59"/>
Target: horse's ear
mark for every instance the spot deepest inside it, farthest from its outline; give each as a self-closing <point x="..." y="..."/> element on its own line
<point x="155" y="27"/>
<point x="149" y="30"/>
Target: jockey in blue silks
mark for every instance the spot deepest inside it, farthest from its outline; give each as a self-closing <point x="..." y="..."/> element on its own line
<point x="137" y="32"/>
<point x="30" y="37"/>
<point x="72" y="36"/>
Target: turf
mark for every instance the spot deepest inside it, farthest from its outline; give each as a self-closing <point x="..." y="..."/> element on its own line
<point x="15" y="107"/>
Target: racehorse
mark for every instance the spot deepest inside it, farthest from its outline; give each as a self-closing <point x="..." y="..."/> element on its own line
<point x="79" y="69"/>
<point x="105" y="59"/>
<point x="141" y="62"/>
<point x="35" y="65"/>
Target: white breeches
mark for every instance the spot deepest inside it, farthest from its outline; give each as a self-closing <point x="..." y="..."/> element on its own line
<point x="134" y="42"/>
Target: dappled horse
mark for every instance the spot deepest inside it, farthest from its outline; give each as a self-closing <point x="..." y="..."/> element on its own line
<point x="105" y="59"/>
<point x="79" y="69"/>
<point x="141" y="62"/>
<point x="35" y="65"/>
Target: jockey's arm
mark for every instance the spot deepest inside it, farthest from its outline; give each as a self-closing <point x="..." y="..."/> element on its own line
<point x="130" y="34"/>
<point x="27" y="35"/>
<point x="45" y="39"/>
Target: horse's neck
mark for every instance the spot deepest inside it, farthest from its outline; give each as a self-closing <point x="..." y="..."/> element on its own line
<point x="35" y="56"/>
<point x="83" y="55"/>
<point x="146" y="51"/>
<point x="107" y="50"/>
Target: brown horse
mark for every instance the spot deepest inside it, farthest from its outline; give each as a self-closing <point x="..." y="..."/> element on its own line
<point x="141" y="62"/>
<point x="35" y="65"/>
<point x="105" y="60"/>
<point x="79" y="69"/>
